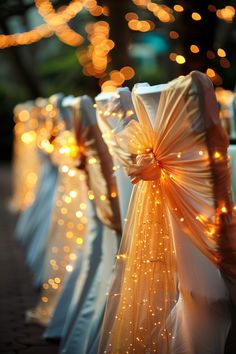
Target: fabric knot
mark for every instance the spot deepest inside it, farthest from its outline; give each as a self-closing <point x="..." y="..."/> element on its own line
<point x="146" y="168"/>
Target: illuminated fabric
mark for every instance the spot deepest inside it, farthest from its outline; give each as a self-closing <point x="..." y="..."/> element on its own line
<point x="183" y="148"/>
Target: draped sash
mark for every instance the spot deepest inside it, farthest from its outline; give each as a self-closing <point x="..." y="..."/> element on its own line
<point x="98" y="164"/>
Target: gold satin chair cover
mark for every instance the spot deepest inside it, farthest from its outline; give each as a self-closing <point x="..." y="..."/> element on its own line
<point x="180" y="168"/>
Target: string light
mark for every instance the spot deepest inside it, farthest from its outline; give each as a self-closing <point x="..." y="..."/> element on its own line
<point x="24" y="38"/>
<point x="95" y="59"/>
<point x="56" y="22"/>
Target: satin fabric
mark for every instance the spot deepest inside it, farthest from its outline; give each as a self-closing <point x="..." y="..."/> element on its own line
<point x="89" y="295"/>
<point x="117" y="106"/>
<point x="62" y="248"/>
<point x="33" y="223"/>
<point x="184" y="147"/>
<point x="88" y="302"/>
<point x="25" y="171"/>
<point x="232" y="155"/>
<point x="124" y="191"/>
<point x="75" y="280"/>
<point x="49" y="125"/>
<point x="65" y="238"/>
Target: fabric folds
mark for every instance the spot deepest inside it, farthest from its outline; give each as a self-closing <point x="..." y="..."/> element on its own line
<point x="184" y="148"/>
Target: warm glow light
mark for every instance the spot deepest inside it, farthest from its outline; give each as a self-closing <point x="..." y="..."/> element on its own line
<point x="173" y="56"/>
<point x="212" y="8"/>
<point x="221" y="52"/>
<point x="24" y="38"/>
<point x="95" y="59"/>
<point x="194" y="48"/>
<point x="23" y="116"/>
<point x="180" y="59"/>
<point x="131" y="16"/>
<point x="128" y="72"/>
<point x="173" y="35"/>
<point x="217" y="155"/>
<point x="211" y="73"/>
<point x="56" y="22"/>
<point x="224" y="209"/>
<point x="227" y="14"/>
<point x="79" y="241"/>
<point x="196" y="16"/>
<point x="178" y="8"/>
<point x="69" y="268"/>
<point x="225" y="63"/>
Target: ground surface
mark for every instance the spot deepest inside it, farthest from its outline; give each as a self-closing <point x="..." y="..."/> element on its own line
<point x="16" y="292"/>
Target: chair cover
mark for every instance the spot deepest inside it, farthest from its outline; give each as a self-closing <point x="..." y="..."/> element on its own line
<point x="83" y="321"/>
<point x="181" y="174"/>
<point x="25" y="171"/>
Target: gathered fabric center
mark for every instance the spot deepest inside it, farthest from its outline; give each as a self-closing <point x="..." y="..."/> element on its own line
<point x="146" y="168"/>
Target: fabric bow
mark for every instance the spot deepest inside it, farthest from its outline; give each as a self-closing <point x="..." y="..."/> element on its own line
<point x="146" y="168"/>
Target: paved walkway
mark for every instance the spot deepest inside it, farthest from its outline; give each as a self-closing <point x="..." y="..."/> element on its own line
<point x="16" y="292"/>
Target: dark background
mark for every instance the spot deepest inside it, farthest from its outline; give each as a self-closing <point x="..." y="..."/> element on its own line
<point x="51" y="66"/>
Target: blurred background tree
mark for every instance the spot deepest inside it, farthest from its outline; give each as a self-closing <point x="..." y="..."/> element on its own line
<point x="109" y="43"/>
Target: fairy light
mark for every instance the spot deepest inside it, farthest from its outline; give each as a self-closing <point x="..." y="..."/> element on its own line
<point x="196" y="16"/>
<point x="211" y="73"/>
<point x="162" y="12"/>
<point x="225" y="63"/>
<point x="224" y="209"/>
<point x="221" y="53"/>
<point x="95" y="59"/>
<point x="217" y="155"/>
<point x="212" y="8"/>
<point x="94" y="9"/>
<point x="69" y="268"/>
<point x="56" y="23"/>
<point x="180" y="59"/>
<point x="79" y="241"/>
<point x="58" y="20"/>
<point x="25" y="38"/>
<point x="178" y="8"/>
<point x="226" y="14"/>
<point x="194" y="48"/>
<point x="174" y="35"/>
<point x="141" y="25"/>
